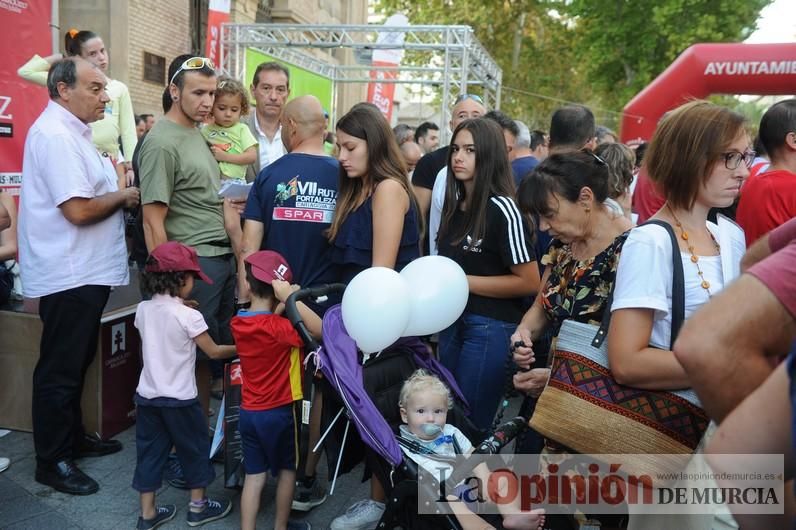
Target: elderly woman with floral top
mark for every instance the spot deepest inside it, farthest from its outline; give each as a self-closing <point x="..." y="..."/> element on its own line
<point x="568" y="193"/>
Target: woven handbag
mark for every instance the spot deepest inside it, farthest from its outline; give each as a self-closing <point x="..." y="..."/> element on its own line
<point x="585" y="409"/>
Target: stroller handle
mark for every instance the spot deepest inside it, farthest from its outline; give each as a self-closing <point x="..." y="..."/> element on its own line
<point x="492" y="445"/>
<point x="292" y="312"/>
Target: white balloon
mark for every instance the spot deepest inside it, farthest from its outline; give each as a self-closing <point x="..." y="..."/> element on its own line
<point x="438" y="293"/>
<point x="376" y="308"/>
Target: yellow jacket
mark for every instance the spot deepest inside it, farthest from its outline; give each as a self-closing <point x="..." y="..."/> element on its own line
<point x="119" y="120"/>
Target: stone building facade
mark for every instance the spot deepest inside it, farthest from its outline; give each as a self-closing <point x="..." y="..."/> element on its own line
<point x="143" y="36"/>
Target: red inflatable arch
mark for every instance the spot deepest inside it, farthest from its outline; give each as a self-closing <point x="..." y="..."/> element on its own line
<point x="704" y="69"/>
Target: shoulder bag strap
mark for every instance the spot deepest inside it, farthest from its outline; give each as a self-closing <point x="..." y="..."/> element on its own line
<point x="678" y="292"/>
<point x="678" y="282"/>
<point x="602" y="331"/>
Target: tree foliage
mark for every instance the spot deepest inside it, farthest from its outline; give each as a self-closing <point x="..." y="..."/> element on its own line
<point x="600" y="53"/>
<point x="626" y="44"/>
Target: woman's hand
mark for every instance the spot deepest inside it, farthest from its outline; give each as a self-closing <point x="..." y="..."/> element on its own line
<point x="532" y="382"/>
<point x="523" y="352"/>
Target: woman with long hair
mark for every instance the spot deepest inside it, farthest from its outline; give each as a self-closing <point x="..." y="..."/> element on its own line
<point x="376" y="224"/>
<point x="699" y="157"/>
<point x="119" y="120"/>
<point x="482" y="230"/>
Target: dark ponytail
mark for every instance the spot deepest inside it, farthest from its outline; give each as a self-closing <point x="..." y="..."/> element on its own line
<point x="74" y="40"/>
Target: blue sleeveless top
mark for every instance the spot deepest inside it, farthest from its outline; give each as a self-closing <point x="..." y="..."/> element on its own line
<point x="352" y="249"/>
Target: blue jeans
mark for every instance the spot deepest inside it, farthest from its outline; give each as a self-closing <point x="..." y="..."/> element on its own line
<point x="475" y="349"/>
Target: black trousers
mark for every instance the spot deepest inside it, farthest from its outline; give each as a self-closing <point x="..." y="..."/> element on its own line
<point x="71" y="322"/>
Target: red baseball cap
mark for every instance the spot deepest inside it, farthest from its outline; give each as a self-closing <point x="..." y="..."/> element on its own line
<point x="268" y="266"/>
<point x="175" y="257"/>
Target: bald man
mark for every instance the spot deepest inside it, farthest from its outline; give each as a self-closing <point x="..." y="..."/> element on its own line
<point x="292" y="200"/>
<point x="288" y="210"/>
<point x="412" y="152"/>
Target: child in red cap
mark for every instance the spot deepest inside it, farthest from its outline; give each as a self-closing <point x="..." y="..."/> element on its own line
<point x="271" y="363"/>
<point x="168" y="411"/>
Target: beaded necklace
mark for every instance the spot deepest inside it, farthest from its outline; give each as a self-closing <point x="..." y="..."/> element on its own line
<point x="694" y="258"/>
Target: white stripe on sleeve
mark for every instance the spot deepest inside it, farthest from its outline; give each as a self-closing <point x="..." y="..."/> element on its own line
<point x="516" y="235"/>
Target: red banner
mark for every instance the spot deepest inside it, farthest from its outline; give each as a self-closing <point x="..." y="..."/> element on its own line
<point x="217" y="14"/>
<point x="381" y="94"/>
<point x="21" y="102"/>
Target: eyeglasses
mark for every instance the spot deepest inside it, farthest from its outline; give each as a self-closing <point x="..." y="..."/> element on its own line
<point x="474" y="97"/>
<point x="733" y="159"/>
<point x="194" y="63"/>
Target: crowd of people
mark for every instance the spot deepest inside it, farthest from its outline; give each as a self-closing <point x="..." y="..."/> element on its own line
<point x="548" y="226"/>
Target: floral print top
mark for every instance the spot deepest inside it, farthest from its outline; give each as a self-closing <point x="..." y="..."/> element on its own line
<point x="576" y="289"/>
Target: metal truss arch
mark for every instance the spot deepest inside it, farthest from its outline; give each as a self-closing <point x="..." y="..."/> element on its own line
<point x="448" y="57"/>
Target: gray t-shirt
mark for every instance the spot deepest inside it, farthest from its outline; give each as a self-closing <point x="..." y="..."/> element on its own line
<point x="177" y="169"/>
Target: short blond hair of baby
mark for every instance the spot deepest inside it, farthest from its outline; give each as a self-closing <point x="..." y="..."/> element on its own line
<point x="423" y="381"/>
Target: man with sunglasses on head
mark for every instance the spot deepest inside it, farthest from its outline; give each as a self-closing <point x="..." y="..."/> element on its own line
<point x="465" y="107"/>
<point x="179" y="193"/>
<point x="768" y="199"/>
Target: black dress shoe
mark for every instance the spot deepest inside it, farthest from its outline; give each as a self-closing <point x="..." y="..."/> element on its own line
<point x="92" y="446"/>
<point x="65" y="476"/>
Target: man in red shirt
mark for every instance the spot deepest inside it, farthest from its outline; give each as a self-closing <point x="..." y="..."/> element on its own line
<point x="769" y="199"/>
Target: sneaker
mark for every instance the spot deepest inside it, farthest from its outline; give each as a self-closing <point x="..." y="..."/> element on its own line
<point x="305" y="497"/>
<point x="213" y="511"/>
<point x="162" y="515"/>
<point x="173" y="473"/>
<point x="362" y="515"/>
<point x="298" y="525"/>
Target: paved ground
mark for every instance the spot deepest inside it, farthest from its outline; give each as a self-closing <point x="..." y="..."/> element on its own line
<point x="26" y="504"/>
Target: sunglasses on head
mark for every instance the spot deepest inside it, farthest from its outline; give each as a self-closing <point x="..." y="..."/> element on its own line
<point x="474" y="97"/>
<point x="599" y="161"/>
<point x="194" y="63"/>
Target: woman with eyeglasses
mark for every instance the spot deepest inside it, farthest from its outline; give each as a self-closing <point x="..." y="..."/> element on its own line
<point x="119" y="120"/>
<point x="698" y="158"/>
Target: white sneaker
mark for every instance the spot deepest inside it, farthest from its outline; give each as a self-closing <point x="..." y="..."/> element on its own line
<point x="4" y="463"/>
<point x="362" y="515"/>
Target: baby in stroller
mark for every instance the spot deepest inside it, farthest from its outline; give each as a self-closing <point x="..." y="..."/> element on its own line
<point x="428" y="440"/>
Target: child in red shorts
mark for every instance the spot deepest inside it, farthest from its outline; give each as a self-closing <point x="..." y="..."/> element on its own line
<point x="271" y="363"/>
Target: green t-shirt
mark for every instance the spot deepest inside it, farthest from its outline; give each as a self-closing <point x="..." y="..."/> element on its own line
<point x="235" y="140"/>
<point x="177" y="169"/>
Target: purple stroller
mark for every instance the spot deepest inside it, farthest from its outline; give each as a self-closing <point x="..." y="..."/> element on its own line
<point x="365" y="394"/>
